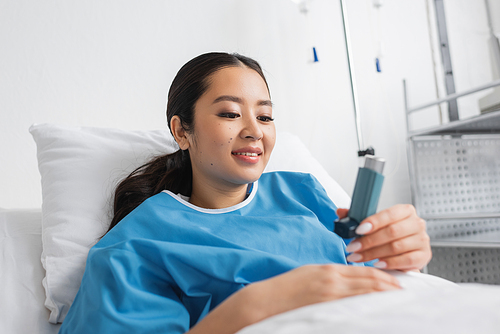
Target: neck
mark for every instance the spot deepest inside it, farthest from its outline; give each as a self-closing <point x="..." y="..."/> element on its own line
<point x="209" y="197"/>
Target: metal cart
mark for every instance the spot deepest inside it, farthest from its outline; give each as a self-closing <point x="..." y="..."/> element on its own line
<point x="455" y="177"/>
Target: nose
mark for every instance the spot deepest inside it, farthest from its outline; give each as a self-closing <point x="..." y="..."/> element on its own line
<point x="251" y="129"/>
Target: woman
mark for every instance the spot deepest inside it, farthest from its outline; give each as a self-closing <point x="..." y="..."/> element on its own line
<point x="207" y="243"/>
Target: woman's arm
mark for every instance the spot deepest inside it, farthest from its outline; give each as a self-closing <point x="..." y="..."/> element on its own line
<point x="396" y="236"/>
<point x="299" y="287"/>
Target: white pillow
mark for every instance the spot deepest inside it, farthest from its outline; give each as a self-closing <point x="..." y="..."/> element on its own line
<point x="79" y="169"/>
<point x="80" y="166"/>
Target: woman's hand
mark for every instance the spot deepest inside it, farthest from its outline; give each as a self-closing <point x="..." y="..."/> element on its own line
<point x="299" y="287"/>
<point x="312" y="284"/>
<point x="396" y="236"/>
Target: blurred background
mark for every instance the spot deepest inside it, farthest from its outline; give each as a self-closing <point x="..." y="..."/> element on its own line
<point x="109" y="63"/>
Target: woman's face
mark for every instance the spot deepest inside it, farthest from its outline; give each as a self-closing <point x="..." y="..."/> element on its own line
<point x="234" y="133"/>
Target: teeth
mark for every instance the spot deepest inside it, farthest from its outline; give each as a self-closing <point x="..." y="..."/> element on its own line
<point x="247" y="154"/>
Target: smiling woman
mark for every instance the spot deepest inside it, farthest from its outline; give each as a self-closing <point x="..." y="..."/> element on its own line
<point x="202" y="241"/>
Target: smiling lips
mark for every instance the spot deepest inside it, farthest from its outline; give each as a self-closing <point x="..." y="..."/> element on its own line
<point x="248" y="154"/>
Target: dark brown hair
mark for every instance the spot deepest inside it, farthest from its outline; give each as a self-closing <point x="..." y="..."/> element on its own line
<point x="173" y="171"/>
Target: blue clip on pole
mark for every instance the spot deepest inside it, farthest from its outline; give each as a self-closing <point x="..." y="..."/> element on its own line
<point x="315" y="55"/>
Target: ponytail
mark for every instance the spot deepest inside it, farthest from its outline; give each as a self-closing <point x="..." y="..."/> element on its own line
<point x="167" y="172"/>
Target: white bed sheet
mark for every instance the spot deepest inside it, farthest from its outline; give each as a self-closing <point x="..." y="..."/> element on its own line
<point x="426" y="305"/>
<point x="22" y="298"/>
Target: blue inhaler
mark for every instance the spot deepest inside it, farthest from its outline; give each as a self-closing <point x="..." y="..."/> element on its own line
<point x="364" y="198"/>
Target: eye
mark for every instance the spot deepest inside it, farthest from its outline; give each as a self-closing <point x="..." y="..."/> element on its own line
<point x="265" y="118"/>
<point x="229" y="115"/>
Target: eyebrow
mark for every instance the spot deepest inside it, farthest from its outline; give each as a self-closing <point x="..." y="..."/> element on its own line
<point x="236" y="99"/>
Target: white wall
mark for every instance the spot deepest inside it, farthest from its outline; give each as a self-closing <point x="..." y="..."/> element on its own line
<point x="471" y="53"/>
<point x="109" y="63"/>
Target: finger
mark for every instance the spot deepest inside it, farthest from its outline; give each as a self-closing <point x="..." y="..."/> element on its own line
<point x="360" y="285"/>
<point x="386" y="217"/>
<point x="396" y="247"/>
<point x="353" y="272"/>
<point x="408" y="261"/>
<point x="388" y="234"/>
<point x="342" y="213"/>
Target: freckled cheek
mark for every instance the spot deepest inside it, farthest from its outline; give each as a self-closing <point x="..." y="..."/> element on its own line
<point x="222" y="137"/>
<point x="219" y="145"/>
<point x="270" y="137"/>
<point x="222" y="144"/>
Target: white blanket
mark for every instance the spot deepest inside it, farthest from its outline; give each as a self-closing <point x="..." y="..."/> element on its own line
<point x="427" y="305"/>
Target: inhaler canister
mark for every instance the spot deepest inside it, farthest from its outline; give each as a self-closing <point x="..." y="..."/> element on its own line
<point x="364" y="198"/>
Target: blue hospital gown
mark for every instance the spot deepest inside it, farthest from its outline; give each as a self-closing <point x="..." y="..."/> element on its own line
<point x="168" y="263"/>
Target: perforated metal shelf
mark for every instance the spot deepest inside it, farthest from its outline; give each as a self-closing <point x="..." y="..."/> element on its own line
<point x="477" y="232"/>
<point x="481" y="124"/>
<point x="456" y="177"/>
<point x="456" y="188"/>
<point x="465" y="264"/>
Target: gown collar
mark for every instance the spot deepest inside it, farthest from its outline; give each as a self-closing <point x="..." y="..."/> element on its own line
<point x="184" y="200"/>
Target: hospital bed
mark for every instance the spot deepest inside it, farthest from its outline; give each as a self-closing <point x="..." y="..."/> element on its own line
<point x="43" y="251"/>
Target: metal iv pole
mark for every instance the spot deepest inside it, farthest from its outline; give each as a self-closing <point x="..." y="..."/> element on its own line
<point x="361" y="151"/>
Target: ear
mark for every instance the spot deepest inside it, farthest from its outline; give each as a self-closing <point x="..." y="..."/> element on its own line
<point x="180" y="135"/>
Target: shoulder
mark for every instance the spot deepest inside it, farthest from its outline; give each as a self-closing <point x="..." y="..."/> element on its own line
<point x="289" y="178"/>
<point x="147" y="220"/>
<point x="286" y="175"/>
<point x="294" y="185"/>
<point x="295" y="189"/>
